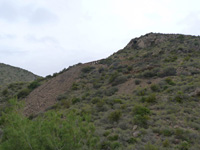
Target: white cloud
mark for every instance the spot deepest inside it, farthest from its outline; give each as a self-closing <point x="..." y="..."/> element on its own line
<point x="45" y="36"/>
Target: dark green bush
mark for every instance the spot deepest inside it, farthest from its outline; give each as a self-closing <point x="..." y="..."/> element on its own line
<point x="75" y="100"/>
<point x="101" y="70"/>
<point x="167" y="132"/>
<point x="100" y="104"/>
<point x="151" y="147"/>
<point x="113" y="77"/>
<point x="5" y="92"/>
<point x="140" y="110"/>
<point x="171" y="59"/>
<point x="23" y="93"/>
<point x="155" y="88"/>
<point x="184" y="146"/>
<point x="170" y="81"/>
<point x="111" y="91"/>
<point x="169" y="71"/>
<point x="137" y="82"/>
<point x="34" y="85"/>
<point x="140" y="115"/>
<point x="95" y="100"/>
<point x="129" y="68"/>
<point x="180" y="97"/>
<point x="142" y="92"/>
<point x="113" y="137"/>
<point x="119" y="80"/>
<point x="107" y="61"/>
<point x="87" y="69"/>
<point x="115" y="116"/>
<point x="75" y="86"/>
<point x="149" y="99"/>
<point x="149" y="73"/>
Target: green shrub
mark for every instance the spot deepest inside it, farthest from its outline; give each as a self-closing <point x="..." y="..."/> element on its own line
<point x="137" y="82"/>
<point x="180" y="97"/>
<point x="61" y="97"/>
<point x="111" y="91"/>
<point x="170" y="81"/>
<point x="140" y="110"/>
<point x="169" y="71"/>
<point x="100" y="104"/>
<point x="167" y="132"/>
<point x="180" y="134"/>
<point x="166" y="143"/>
<point x="119" y="80"/>
<point x="140" y="115"/>
<point x="5" y="92"/>
<point x="149" y="99"/>
<point x="113" y="137"/>
<point x="95" y="100"/>
<point x="115" y="116"/>
<point x="53" y="130"/>
<point x="155" y="88"/>
<point x="184" y="146"/>
<point x="106" y="133"/>
<point x="34" y="85"/>
<point x="97" y="85"/>
<point x="75" y="100"/>
<point x="87" y="69"/>
<point x="105" y="145"/>
<point x="150" y="147"/>
<point x="113" y="77"/>
<point x="129" y="68"/>
<point x="149" y="74"/>
<point x="141" y="92"/>
<point x="117" y="101"/>
<point x="75" y="86"/>
<point x="23" y="93"/>
<point x="171" y="59"/>
<point x="132" y="140"/>
<point x="115" y="145"/>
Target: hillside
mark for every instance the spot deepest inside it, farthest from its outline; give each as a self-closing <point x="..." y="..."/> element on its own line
<point x="10" y="74"/>
<point x="144" y="97"/>
<point x="12" y="80"/>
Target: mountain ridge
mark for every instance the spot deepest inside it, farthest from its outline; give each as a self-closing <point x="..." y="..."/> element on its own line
<point x="145" y="96"/>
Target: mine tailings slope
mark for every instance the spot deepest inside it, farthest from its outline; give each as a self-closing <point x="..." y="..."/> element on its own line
<point x="45" y="95"/>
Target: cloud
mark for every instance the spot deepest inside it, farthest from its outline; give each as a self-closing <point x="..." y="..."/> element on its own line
<point x="41" y="16"/>
<point x="191" y="23"/>
<point x="7" y="36"/>
<point x="46" y="39"/>
<point x="8" y="12"/>
<point x="33" y="14"/>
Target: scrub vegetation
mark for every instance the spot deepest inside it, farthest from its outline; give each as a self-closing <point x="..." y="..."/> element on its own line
<point x="145" y="97"/>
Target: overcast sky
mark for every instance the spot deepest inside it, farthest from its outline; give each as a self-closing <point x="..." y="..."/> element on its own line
<point x="45" y="36"/>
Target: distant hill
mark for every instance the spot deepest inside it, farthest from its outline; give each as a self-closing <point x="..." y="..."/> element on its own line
<point x="13" y="80"/>
<point x="10" y="74"/>
<point x="144" y="97"/>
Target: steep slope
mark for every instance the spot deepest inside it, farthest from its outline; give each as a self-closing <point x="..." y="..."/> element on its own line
<point x="46" y="95"/>
<point x="10" y="74"/>
<point x="145" y="96"/>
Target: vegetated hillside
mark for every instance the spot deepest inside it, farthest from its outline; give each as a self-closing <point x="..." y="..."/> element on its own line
<point x="13" y="80"/>
<point x="10" y="74"/>
<point x="145" y="96"/>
